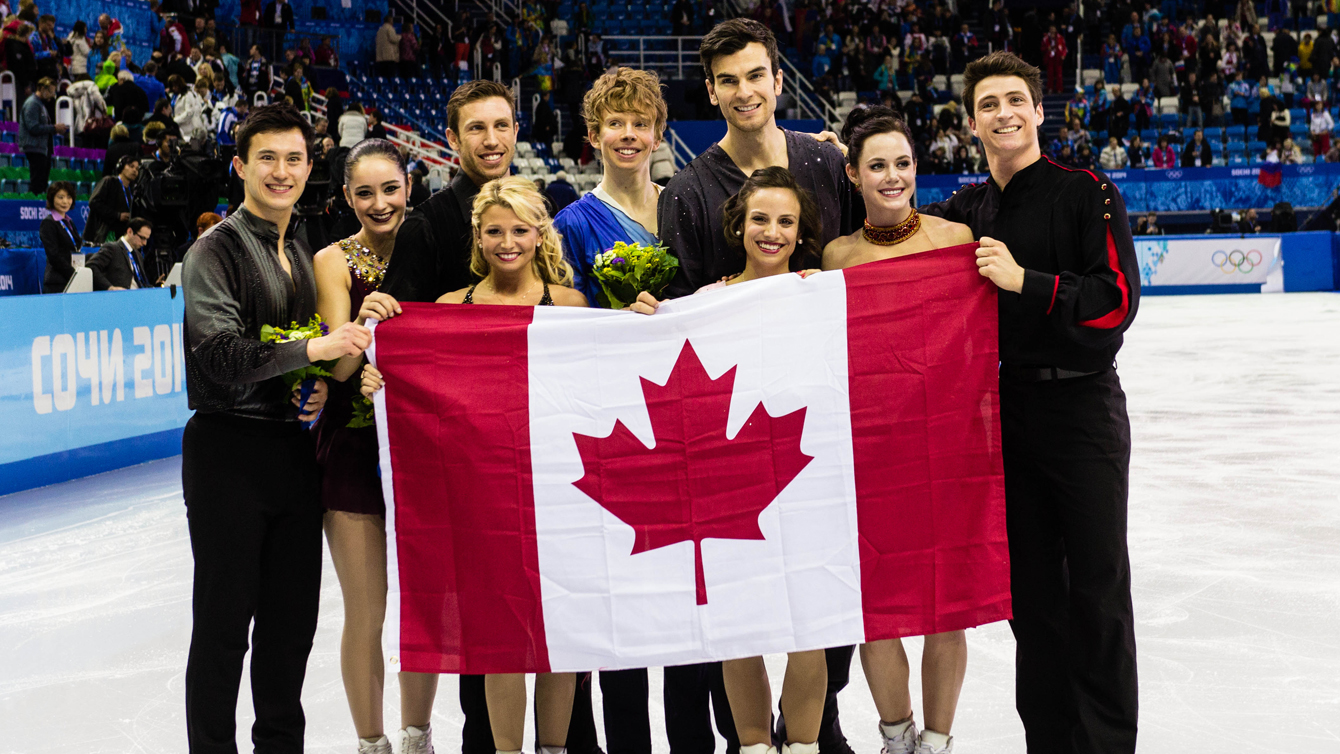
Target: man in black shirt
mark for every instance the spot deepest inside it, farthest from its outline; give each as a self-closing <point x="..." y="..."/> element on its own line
<point x="249" y="472"/>
<point x="1057" y="243"/>
<point x="112" y="202"/>
<point x="744" y="79"/>
<point x="432" y="249"/>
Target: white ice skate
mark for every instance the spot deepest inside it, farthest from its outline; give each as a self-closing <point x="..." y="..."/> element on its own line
<point x="416" y="740"/>
<point x="899" y="738"/>
<point x="380" y="745"/>
<point x="941" y="745"/>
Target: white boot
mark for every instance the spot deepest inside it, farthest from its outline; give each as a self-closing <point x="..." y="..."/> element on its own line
<point x="931" y="742"/>
<point x="801" y="748"/>
<point x="899" y="738"/>
<point x="381" y="745"/>
<point x="416" y="740"/>
<point x="758" y="749"/>
<point x="553" y="750"/>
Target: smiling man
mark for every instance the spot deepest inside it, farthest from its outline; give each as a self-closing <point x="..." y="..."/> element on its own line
<point x="1057" y="243"/>
<point x="741" y="61"/>
<point x="432" y="249"/>
<point x="248" y="467"/>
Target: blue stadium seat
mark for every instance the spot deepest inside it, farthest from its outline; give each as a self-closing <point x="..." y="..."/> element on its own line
<point x="1236" y="133"/>
<point x="1237" y="159"/>
<point x="1256" y="147"/>
<point x="1167" y="120"/>
<point x="1214" y="135"/>
<point x="1236" y="147"/>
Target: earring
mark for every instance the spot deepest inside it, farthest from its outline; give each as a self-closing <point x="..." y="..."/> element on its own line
<point x="738" y="233"/>
<point x="800" y="242"/>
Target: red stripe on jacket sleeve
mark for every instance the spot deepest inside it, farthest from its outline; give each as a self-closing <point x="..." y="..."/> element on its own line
<point x="1118" y="315"/>
<point x="1056" y="287"/>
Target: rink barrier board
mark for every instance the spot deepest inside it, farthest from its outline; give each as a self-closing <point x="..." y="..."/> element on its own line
<point x="91" y="382"/>
<point x="1265" y="262"/>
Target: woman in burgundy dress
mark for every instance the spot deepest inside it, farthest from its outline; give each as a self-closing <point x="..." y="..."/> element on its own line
<point x="347" y="276"/>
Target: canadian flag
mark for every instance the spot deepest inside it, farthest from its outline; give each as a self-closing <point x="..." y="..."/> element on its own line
<point x="780" y="465"/>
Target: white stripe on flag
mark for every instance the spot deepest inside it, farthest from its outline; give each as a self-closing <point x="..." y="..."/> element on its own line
<point x="391" y="625"/>
<point x="797" y="589"/>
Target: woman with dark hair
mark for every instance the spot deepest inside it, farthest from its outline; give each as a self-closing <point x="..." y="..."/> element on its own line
<point x="59" y="237"/>
<point x="881" y="162"/>
<point x="348" y="274"/>
<point x="334" y="105"/>
<point x="79" y="49"/>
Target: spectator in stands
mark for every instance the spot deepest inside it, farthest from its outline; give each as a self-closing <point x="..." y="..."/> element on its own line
<point x="821" y="63"/>
<point x="278" y="14"/>
<point x="1248" y="223"/>
<point x="297" y="88"/>
<point x="148" y="83"/>
<point x="1196" y="153"/>
<point x="409" y="52"/>
<point x="1324" y="49"/>
<point x="112" y="201"/>
<point x="560" y="192"/>
<point x="1053" y="57"/>
<point x="963" y="48"/>
<point x="120" y="145"/>
<point x="1164" y="156"/>
<point x="1320" y="126"/>
<point x="1164" y="75"/>
<point x="1305" y="46"/>
<point x="1317" y="90"/>
<point x="255" y="74"/>
<point x="325" y="54"/>
<point x="1212" y="99"/>
<point x="1290" y="154"/>
<point x="163" y="114"/>
<point x="127" y="99"/>
<point x="1279" y="118"/>
<point x="1189" y="104"/>
<point x="35" y="132"/>
<point x="249" y="13"/>
<point x="1240" y="93"/>
<point x="46" y="48"/>
<point x="388" y="48"/>
<point x="886" y="76"/>
<point x="174" y="39"/>
<point x="375" y="128"/>
<point x="544" y="128"/>
<point x="79" y="46"/>
<point x="120" y="262"/>
<point x="1084" y="158"/>
<point x="181" y="67"/>
<point x="1148" y="225"/>
<point x="352" y="125"/>
<point x="1135" y="154"/>
<point x="230" y="64"/>
<point x="60" y="238"/>
<point x="1119" y="115"/>
<point x="19" y="57"/>
<point x="111" y="30"/>
<point x="1114" y="156"/>
<point x="229" y="119"/>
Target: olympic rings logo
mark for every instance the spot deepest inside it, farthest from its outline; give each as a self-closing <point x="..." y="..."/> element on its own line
<point x="1236" y="260"/>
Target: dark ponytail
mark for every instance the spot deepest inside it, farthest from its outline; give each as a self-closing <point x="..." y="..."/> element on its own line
<point x="871" y="120"/>
<point x="372" y="148"/>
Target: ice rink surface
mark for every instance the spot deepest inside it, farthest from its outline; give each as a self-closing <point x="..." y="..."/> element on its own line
<point x="1234" y="540"/>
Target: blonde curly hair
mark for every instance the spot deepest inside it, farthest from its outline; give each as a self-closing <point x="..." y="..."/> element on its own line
<point x="525" y="201"/>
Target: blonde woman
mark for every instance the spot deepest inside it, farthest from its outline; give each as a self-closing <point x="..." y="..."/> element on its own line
<point x="519" y="257"/>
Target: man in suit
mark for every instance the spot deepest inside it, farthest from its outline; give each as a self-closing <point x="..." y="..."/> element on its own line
<point x="277" y="14"/>
<point x="109" y="207"/>
<point x="120" y="262"/>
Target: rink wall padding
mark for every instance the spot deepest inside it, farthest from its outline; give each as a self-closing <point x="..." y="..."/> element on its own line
<point x="91" y="382"/>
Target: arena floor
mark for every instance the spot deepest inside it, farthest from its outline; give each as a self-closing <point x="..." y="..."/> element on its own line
<point x="1234" y="535"/>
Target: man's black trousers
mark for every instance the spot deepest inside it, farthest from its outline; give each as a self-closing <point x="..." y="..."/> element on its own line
<point x="1067" y="447"/>
<point x="39" y="171"/>
<point x="254" y="517"/>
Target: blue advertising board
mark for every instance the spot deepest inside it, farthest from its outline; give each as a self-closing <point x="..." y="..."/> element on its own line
<point x="91" y="382"/>
<point x="21" y="271"/>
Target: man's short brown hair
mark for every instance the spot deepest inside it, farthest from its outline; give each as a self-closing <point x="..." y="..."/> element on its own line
<point x="472" y="92"/>
<point x="729" y="37"/>
<point x="1000" y="63"/>
<point x="625" y="90"/>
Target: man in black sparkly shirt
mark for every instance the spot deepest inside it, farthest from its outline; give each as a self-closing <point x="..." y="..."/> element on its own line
<point x="249" y="471"/>
<point x="741" y="61"/>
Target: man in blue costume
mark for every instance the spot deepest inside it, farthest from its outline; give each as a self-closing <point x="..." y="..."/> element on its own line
<point x="625" y="118"/>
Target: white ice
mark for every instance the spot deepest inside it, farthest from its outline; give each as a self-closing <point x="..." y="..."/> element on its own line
<point x="1234" y="539"/>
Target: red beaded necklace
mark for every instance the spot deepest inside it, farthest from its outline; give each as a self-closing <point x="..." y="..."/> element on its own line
<point x="895" y="235"/>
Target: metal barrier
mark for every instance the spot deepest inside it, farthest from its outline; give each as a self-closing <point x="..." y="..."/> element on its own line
<point x="8" y="97"/>
<point x="65" y="114"/>
<point x="663" y="59"/>
<point x="679" y="150"/>
<point x="811" y="104"/>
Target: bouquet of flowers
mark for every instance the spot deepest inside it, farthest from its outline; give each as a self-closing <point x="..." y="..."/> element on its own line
<point x="363" y="416"/>
<point x="304" y="378"/>
<point x="628" y="269"/>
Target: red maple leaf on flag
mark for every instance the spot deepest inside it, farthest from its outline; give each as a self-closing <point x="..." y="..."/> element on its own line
<point x="694" y="483"/>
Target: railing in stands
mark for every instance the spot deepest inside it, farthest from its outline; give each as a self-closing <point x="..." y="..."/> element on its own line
<point x="811" y="105"/>
<point x="679" y="150"/>
<point x="424" y="14"/>
<point x="684" y="53"/>
<point x="435" y="154"/>
<point x="272" y="42"/>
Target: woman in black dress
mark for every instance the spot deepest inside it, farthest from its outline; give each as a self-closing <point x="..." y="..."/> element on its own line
<point x="60" y="238"/>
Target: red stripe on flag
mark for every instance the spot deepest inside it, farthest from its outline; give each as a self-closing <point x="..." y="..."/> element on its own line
<point x="465" y="507"/>
<point x="922" y="352"/>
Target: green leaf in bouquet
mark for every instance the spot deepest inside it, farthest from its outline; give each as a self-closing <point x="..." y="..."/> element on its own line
<point x="363" y="414"/>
